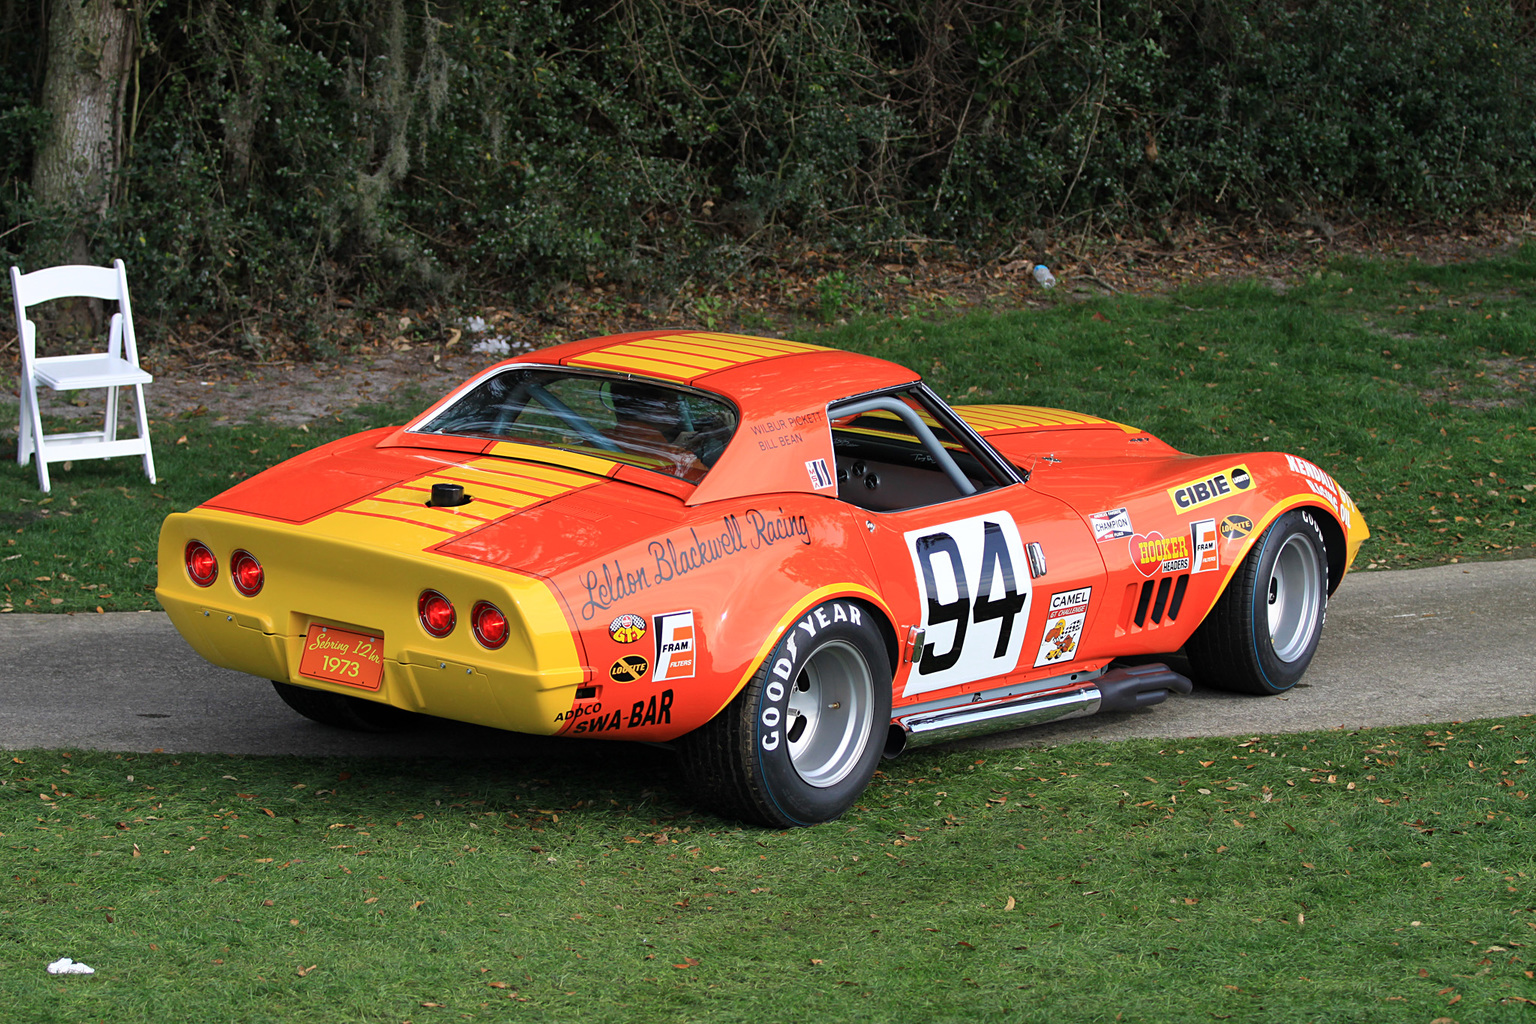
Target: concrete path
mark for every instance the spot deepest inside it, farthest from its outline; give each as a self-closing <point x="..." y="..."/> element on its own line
<point x="1452" y="642"/>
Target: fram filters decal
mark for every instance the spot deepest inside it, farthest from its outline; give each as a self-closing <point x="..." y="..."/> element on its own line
<point x="675" y="646"/>
<point x="1202" y="537"/>
<point x="1153" y="553"/>
<point x="1111" y="525"/>
<point x="1211" y="488"/>
<point x="1063" y="626"/>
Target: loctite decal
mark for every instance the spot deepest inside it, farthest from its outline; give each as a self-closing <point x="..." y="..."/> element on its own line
<point x="1220" y="485"/>
<point x="628" y="668"/>
<point x="1236" y="527"/>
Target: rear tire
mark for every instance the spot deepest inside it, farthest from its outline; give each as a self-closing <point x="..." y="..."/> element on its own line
<point x="343" y="712"/>
<point x="799" y="744"/>
<point x="1261" y="634"/>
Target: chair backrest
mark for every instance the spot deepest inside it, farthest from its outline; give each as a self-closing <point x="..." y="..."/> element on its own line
<point x="75" y="281"/>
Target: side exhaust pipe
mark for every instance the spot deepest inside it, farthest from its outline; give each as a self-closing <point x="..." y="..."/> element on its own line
<point x="1120" y="689"/>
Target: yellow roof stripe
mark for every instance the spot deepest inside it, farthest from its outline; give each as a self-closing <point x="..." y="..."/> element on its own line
<point x="551" y="456"/>
<point x="684" y="356"/>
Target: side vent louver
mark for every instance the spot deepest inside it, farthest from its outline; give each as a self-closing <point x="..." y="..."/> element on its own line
<point x="1150" y="604"/>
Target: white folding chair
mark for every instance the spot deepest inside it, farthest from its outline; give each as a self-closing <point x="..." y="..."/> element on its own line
<point x="117" y="367"/>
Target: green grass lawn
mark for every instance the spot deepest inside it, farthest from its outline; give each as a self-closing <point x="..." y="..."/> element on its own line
<point x="1383" y="875"/>
<point x="1380" y="876"/>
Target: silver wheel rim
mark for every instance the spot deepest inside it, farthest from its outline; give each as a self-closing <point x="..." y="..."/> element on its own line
<point x="830" y="708"/>
<point x="1294" y="596"/>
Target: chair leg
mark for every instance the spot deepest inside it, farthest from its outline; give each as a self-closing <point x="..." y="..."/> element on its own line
<point x="143" y="417"/>
<point x="24" y="431"/>
<point x="39" y="446"/>
<point x="109" y="425"/>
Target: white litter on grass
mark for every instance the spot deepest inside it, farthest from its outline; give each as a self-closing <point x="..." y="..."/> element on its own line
<point x="491" y="347"/>
<point x="475" y="325"/>
<point x="65" y="965"/>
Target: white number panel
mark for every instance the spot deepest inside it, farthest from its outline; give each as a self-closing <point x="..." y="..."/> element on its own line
<point x="973" y="581"/>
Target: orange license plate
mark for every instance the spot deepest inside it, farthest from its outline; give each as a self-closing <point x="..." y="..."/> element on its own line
<point x="342" y="656"/>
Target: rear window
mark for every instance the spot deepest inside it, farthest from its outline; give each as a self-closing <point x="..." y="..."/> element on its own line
<point x="670" y="430"/>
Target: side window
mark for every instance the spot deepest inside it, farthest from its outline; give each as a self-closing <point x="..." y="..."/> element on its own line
<point x="899" y="451"/>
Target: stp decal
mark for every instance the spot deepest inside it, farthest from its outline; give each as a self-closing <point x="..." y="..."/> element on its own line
<point x="627" y="628"/>
<point x="1202" y="537"/>
<point x="973" y="580"/>
<point x="675" y="646"/>
<point x="1153" y="553"/>
<point x="1063" y="626"/>
<point x="1111" y="525"/>
<point x="1212" y="488"/>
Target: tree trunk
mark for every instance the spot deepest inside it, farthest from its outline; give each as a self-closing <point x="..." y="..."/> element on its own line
<point x="90" y="55"/>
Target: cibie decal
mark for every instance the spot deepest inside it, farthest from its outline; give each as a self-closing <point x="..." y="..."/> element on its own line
<point x="675" y="646"/>
<point x="1236" y="527"/>
<point x="973" y="580"/>
<point x="821" y="477"/>
<point x="1111" y="525"/>
<point x="1063" y="626"/>
<point x="1212" y="488"/>
<point x="628" y="668"/>
<point x="1153" y="553"/>
<point x="1202" y="537"/>
<point x="627" y="628"/>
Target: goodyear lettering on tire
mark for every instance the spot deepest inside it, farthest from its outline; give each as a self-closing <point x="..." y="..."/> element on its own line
<point x="786" y="665"/>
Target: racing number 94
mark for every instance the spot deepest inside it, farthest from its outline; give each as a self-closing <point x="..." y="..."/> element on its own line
<point x="974" y="602"/>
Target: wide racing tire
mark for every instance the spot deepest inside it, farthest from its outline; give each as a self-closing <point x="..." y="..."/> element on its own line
<point x="1261" y="634"/>
<point x="800" y="742"/>
<point x="344" y="712"/>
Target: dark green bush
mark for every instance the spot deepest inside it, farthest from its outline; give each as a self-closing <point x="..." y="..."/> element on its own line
<point x="287" y="153"/>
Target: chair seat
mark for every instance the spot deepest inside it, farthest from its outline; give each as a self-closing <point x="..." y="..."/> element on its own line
<point x="92" y="370"/>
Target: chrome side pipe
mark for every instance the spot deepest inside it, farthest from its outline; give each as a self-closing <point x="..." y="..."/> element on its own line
<point x="1120" y="689"/>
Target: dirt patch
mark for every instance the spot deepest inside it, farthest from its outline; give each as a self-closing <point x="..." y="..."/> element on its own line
<point x="1511" y="379"/>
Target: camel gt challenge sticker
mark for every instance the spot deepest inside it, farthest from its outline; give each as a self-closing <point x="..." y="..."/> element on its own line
<point x="627" y="628"/>
<point x="1063" y="626"/>
<point x="675" y="646"/>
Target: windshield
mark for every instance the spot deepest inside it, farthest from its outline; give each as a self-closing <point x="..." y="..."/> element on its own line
<point x="642" y="423"/>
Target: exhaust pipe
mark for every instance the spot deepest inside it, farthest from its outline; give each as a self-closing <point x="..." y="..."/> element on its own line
<point x="1120" y="689"/>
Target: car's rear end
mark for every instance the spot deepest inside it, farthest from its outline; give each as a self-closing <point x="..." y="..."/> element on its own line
<point x="357" y="601"/>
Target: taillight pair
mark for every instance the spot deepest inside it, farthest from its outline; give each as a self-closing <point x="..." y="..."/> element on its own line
<point x="245" y="572"/>
<point x="438" y="618"/>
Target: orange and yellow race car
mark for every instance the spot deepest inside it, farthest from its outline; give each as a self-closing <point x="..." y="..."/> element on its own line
<point x="787" y="559"/>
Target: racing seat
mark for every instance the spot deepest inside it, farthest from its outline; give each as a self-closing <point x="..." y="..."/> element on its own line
<point x="114" y="369"/>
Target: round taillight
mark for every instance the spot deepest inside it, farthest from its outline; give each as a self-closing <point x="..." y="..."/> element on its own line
<point x="246" y="573"/>
<point x="436" y="613"/>
<point x="201" y="565"/>
<point x="489" y="624"/>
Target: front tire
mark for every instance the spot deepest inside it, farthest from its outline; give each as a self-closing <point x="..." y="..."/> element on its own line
<point x="798" y="745"/>
<point x="1262" y="632"/>
<point x="343" y="712"/>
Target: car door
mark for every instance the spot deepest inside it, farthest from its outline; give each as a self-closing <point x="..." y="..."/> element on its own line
<point x="988" y="579"/>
